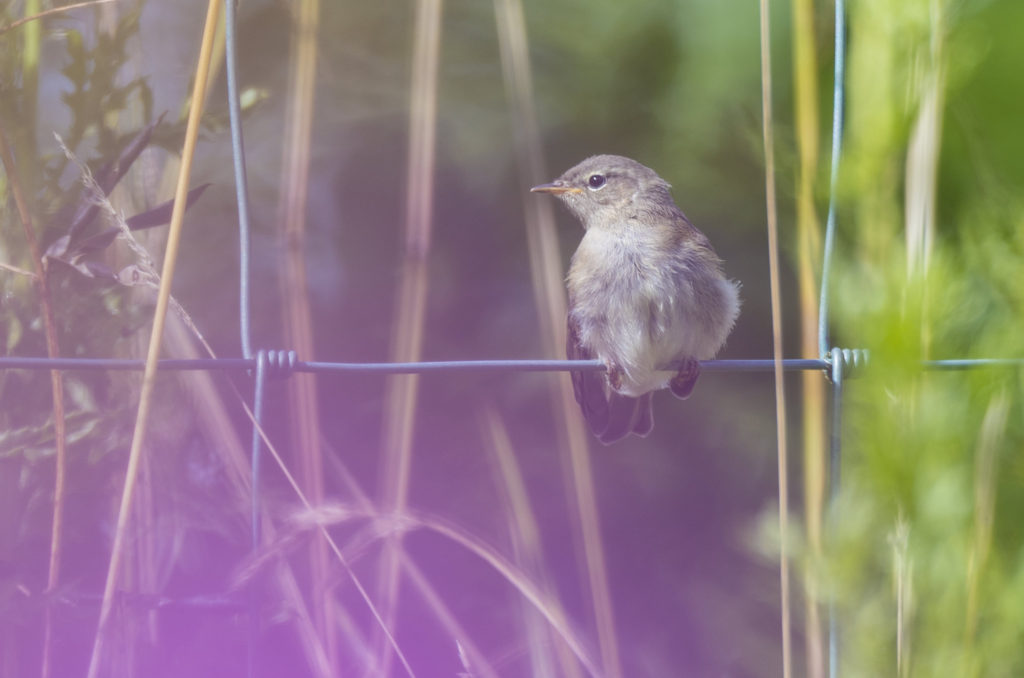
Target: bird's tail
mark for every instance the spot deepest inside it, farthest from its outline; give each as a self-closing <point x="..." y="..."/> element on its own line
<point x="624" y="415"/>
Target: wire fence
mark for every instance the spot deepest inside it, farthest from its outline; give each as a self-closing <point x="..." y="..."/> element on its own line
<point x="835" y="363"/>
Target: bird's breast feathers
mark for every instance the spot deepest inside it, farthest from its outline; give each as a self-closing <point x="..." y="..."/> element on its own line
<point x="640" y="310"/>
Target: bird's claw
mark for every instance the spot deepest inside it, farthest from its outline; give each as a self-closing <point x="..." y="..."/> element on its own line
<point x="614" y="376"/>
<point x="682" y="384"/>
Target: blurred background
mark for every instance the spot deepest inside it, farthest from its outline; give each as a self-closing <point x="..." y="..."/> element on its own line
<point x="656" y="556"/>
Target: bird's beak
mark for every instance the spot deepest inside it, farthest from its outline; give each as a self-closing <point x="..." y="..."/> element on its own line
<point x="555" y="189"/>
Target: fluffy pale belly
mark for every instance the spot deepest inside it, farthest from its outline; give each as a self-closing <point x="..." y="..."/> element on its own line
<point x="624" y="340"/>
<point x="645" y="313"/>
<point x="645" y="337"/>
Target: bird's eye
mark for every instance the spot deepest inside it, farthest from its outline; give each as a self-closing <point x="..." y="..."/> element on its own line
<point x="596" y="182"/>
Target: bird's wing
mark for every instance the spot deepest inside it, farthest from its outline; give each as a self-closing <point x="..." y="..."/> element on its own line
<point x="610" y="415"/>
<point x="587" y="386"/>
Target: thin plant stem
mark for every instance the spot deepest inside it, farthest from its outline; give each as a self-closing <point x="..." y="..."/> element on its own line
<point x="986" y="467"/>
<point x="303" y="408"/>
<point x="410" y="311"/>
<point x="308" y="505"/>
<point x="478" y="664"/>
<point x="525" y="531"/>
<point x="552" y="612"/>
<point x="417" y="579"/>
<point x="780" y="391"/>
<point x="160" y="314"/>
<point x="808" y="260"/>
<point x="212" y="412"/>
<point x="549" y="294"/>
<point x="56" y="387"/>
<point x="49" y="12"/>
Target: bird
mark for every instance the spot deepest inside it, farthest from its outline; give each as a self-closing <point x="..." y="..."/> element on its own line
<point x="648" y="296"/>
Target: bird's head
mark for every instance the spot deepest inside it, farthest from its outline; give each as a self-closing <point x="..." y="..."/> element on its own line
<point x="608" y="187"/>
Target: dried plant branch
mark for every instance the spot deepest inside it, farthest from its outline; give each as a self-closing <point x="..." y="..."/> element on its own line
<point x="56" y="385"/>
<point x="17" y="271"/>
<point x="143" y="272"/>
<point x="49" y="12"/>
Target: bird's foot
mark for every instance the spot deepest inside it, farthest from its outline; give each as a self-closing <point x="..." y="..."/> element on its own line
<point x="682" y="384"/>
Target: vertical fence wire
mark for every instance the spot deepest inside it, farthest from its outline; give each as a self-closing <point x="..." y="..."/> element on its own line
<point x="824" y="340"/>
<point x="241" y="179"/>
<point x="257" y="442"/>
<point x="244" y="250"/>
<point x="244" y="240"/>
<point x="838" y="106"/>
<point x="835" y="456"/>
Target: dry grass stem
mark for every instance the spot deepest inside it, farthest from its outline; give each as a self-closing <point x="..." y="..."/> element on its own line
<point x="471" y="656"/>
<point x="549" y="294"/>
<point x="415" y="576"/>
<point x="17" y="271"/>
<point x="386" y="527"/>
<point x="808" y="261"/>
<point x="149" y="376"/>
<point x="56" y="388"/>
<point x="776" y="303"/>
<point x="50" y="12"/>
<point x="321" y="516"/>
<point x="923" y="154"/>
<point x="303" y="404"/>
<point x="524" y="529"/>
<point x="990" y="440"/>
<point x="410" y="309"/>
<point x="213" y="415"/>
<point x="903" y="578"/>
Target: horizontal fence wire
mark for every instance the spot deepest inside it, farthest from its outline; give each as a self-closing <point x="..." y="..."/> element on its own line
<point x="241" y="364"/>
<point x="321" y="367"/>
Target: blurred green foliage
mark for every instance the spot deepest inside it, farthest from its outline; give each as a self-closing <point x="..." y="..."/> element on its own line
<point x="91" y="315"/>
<point x="925" y="545"/>
<point x="932" y="470"/>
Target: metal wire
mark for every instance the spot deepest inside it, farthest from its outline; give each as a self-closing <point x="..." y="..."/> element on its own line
<point x="319" y="367"/>
<point x="839" y="364"/>
<point x="971" y="364"/>
<point x="246" y="364"/>
<point x="838" y="106"/>
<point x="254" y="517"/>
<point x="244" y="249"/>
<point x="241" y="180"/>
<point x="824" y="341"/>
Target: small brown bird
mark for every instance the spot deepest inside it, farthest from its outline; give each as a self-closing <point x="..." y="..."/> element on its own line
<point x="647" y="295"/>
